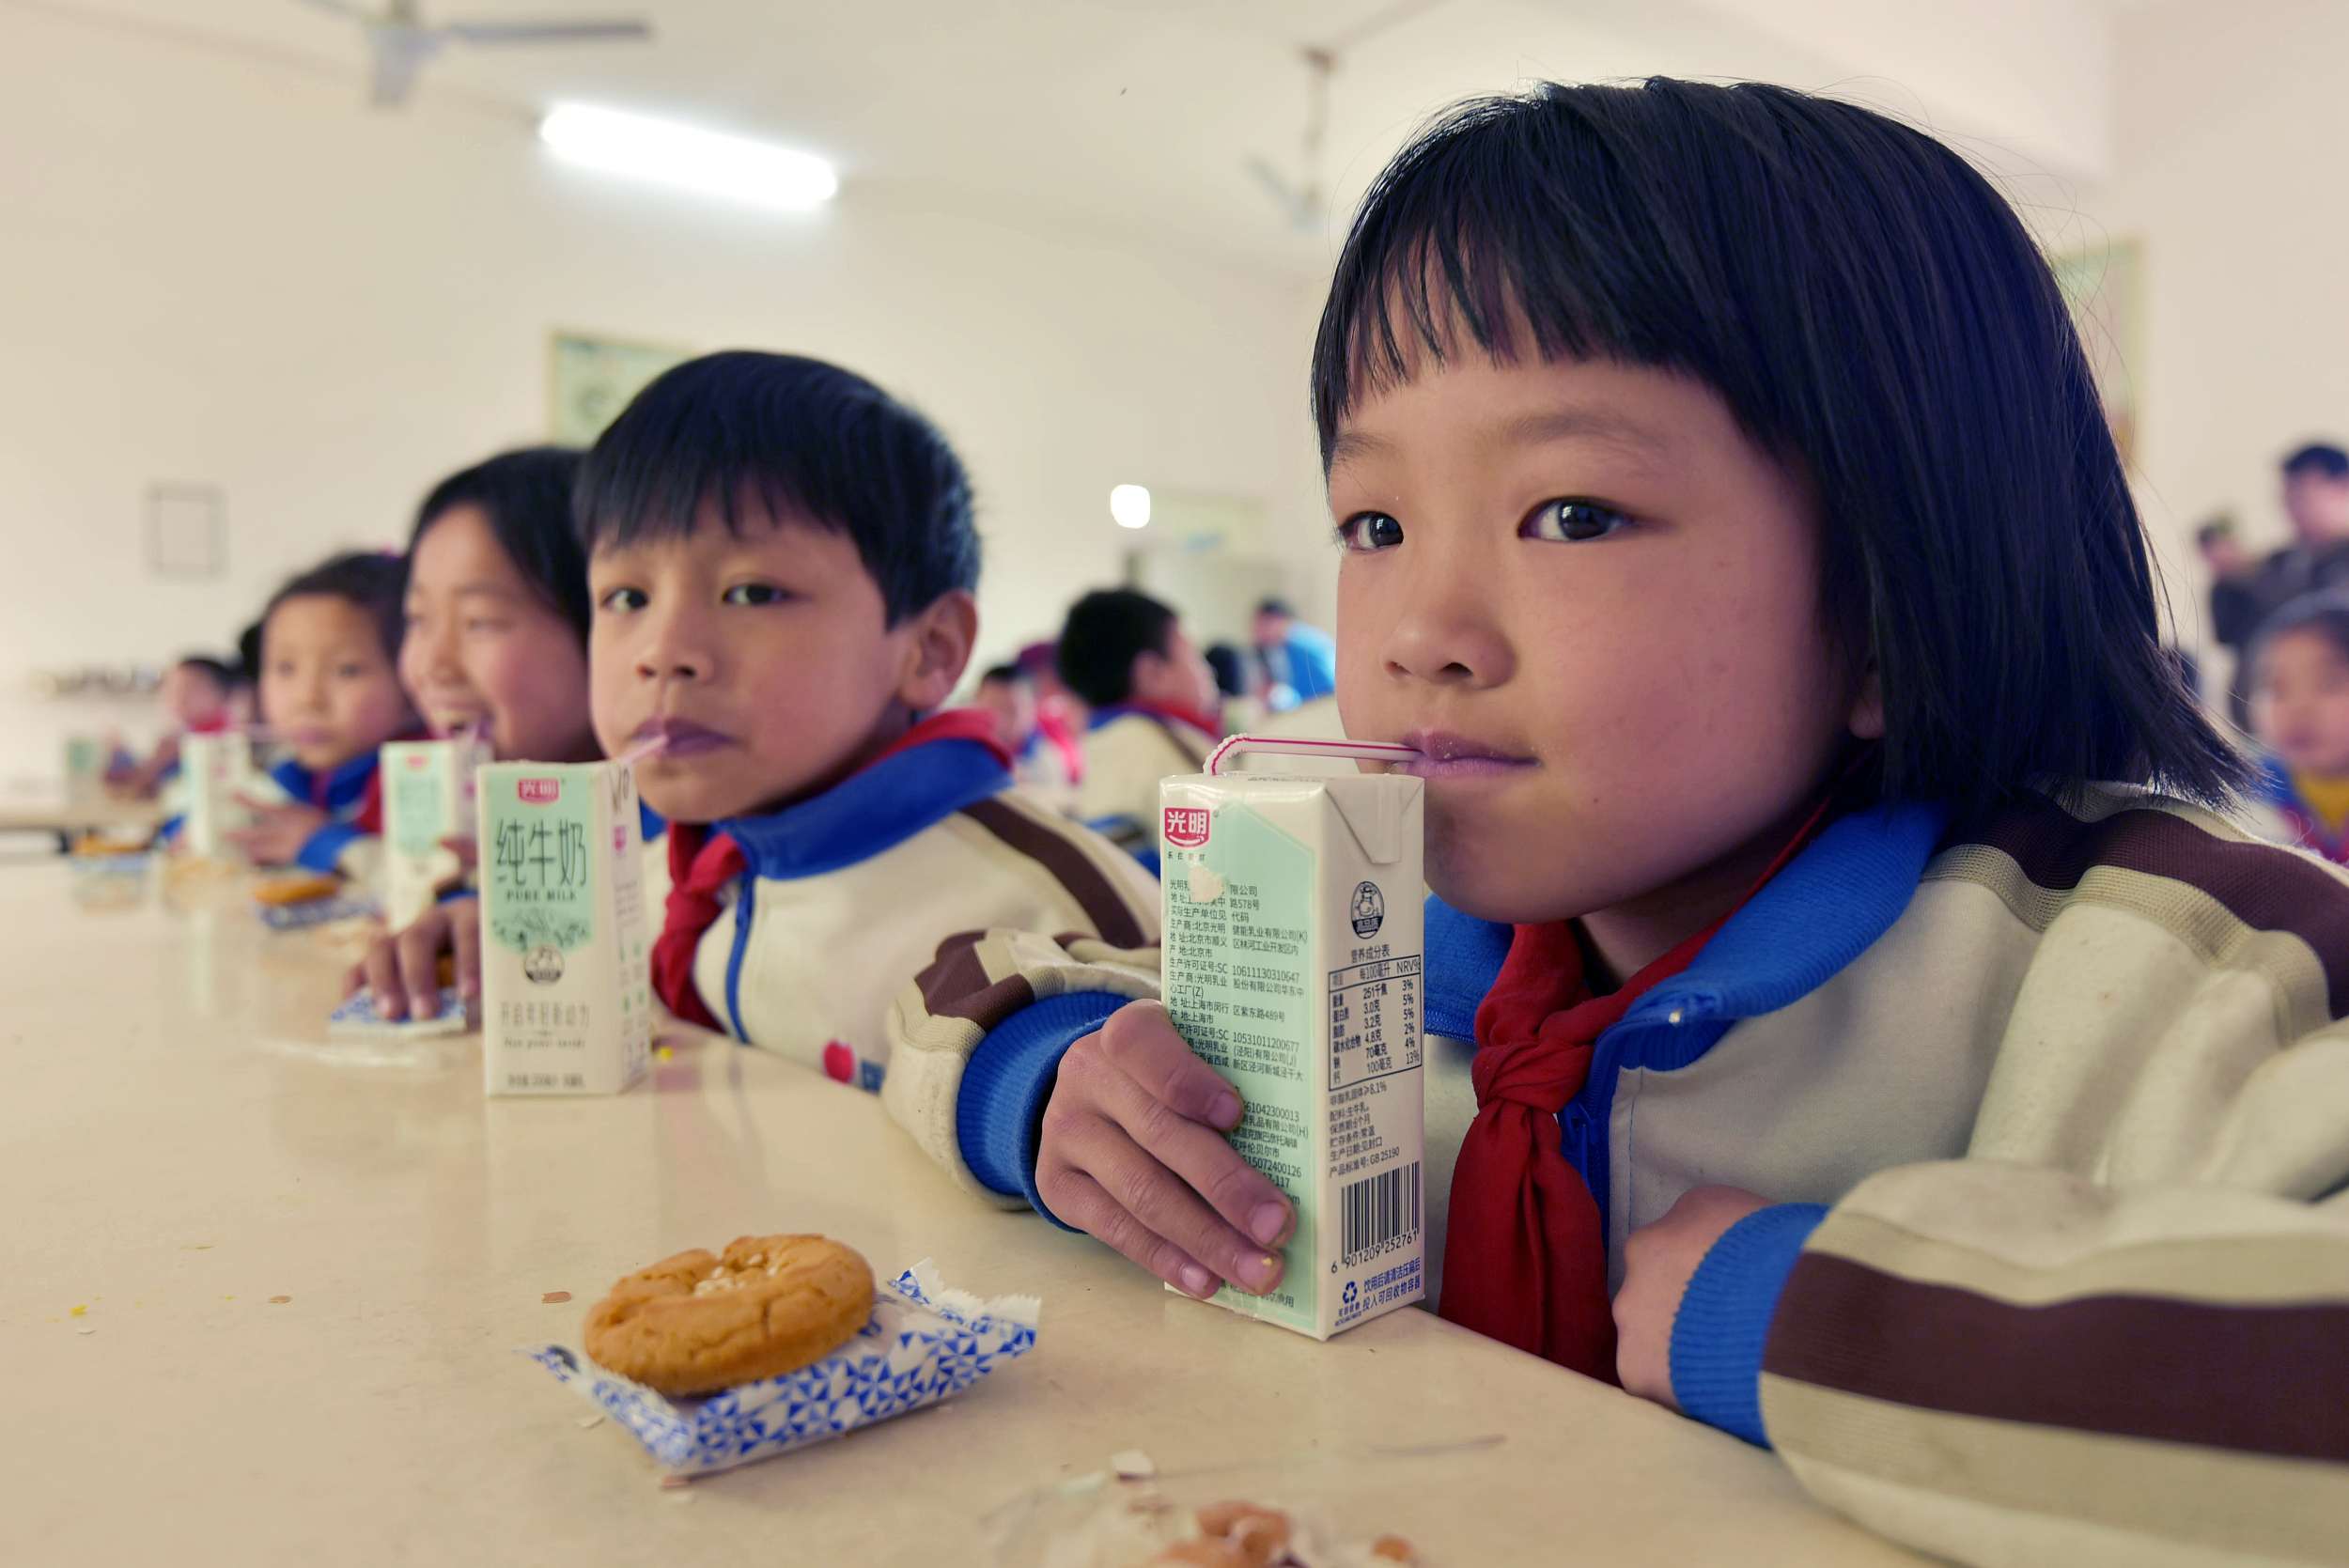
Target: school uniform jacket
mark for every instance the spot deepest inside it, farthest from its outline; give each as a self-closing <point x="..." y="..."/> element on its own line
<point x="843" y="895"/>
<point x="2052" y="1108"/>
<point x="1126" y="752"/>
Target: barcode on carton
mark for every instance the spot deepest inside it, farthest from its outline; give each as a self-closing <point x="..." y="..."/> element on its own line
<point x="1379" y="1209"/>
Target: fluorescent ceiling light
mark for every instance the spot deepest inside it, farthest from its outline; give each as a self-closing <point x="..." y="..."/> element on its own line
<point x="1131" y="506"/>
<point x="663" y="152"/>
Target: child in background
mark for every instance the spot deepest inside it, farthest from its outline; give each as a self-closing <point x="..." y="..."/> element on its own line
<point x="2300" y="712"/>
<point x="1730" y="520"/>
<point x="1058" y="713"/>
<point x="1155" y="710"/>
<point x="195" y="696"/>
<point x="497" y="617"/>
<point x="1008" y="697"/>
<point x="782" y="560"/>
<point x="331" y="696"/>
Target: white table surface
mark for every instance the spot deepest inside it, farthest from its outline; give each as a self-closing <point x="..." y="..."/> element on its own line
<point x="178" y="1144"/>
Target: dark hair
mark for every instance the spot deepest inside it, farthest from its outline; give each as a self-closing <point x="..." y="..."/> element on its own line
<point x="2317" y="456"/>
<point x="1008" y="674"/>
<point x="1231" y="669"/>
<point x="526" y="496"/>
<point x="2326" y="614"/>
<point x="223" y="674"/>
<point x="372" y="580"/>
<point x="249" y="655"/>
<point x="1105" y="632"/>
<point x="1276" y="607"/>
<point x="1875" y="316"/>
<point x="801" y="437"/>
<point x="2215" y="530"/>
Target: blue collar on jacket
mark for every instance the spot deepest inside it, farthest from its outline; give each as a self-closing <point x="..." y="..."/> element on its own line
<point x="1824" y="911"/>
<point x="868" y="812"/>
<point x="346" y="786"/>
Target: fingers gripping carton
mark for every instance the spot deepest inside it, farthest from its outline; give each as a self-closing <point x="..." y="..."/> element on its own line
<point x="566" y="970"/>
<point x="1293" y="949"/>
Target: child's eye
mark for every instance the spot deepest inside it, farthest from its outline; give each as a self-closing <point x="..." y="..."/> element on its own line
<point x="483" y="625"/>
<point x="622" y="600"/>
<point x="1572" y="521"/>
<point x="755" y="592"/>
<point x="351" y="672"/>
<point x="1365" y="532"/>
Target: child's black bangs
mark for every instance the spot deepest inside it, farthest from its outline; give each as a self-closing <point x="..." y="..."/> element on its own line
<point x="1456" y="249"/>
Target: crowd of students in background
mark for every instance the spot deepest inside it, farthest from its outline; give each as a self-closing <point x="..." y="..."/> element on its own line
<point x="2285" y="618"/>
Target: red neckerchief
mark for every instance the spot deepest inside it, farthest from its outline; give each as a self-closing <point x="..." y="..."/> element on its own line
<point x="1524" y="1257"/>
<point x="701" y="863"/>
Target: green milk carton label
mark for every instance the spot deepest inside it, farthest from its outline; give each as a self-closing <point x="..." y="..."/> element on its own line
<point x="1239" y="960"/>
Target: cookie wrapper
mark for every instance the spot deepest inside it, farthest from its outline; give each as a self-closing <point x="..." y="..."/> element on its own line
<point x="317" y="911"/>
<point x="924" y="1342"/>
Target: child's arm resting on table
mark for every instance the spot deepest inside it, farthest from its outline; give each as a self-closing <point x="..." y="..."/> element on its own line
<point x="2002" y="1362"/>
<point x="1019" y="1065"/>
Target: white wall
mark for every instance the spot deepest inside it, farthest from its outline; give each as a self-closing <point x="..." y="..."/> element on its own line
<point x="221" y="269"/>
<point x="2233" y="130"/>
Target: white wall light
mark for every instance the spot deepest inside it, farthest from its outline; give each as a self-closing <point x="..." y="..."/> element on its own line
<point x="637" y="146"/>
<point x="1129" y="505"/>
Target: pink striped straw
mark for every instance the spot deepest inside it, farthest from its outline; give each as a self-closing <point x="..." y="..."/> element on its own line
<point x="641" y="749"/>
<point x="1276" y="745"/>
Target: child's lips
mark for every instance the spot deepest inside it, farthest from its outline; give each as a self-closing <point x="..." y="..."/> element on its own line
<point x="681" y="738"/>
<point x="1444" y="755"/>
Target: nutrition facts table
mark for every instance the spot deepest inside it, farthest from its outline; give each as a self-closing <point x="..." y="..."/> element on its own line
<point x="1374" y="1021"/>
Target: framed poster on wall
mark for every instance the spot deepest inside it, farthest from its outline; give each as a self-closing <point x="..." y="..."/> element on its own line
<point x="2104" y="285"/>
<point x="590" y="380"/>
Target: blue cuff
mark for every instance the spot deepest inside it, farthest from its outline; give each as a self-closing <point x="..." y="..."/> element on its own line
<point x="1724" y="1317"/>
<point x="1008" y="1081"/>
<point x="169" y="832"/>
<point x="323" y="849"/>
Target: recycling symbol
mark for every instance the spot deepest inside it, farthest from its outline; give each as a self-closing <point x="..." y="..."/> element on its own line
<point x="1350" y="1292"/>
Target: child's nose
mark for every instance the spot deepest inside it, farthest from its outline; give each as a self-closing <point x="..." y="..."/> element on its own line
<point x="677" y="646"/>
<point x="1445" y="633"/>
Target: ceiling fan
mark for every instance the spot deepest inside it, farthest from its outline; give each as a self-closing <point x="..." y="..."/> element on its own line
<point x="399" y="41"/>
<point x="1302" y="198"/>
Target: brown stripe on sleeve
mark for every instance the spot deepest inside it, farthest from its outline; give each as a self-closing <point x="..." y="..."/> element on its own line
<point x="2257" y="1379"/>
<point x="1094" y="893"/>
<point x="2266" y="886"/>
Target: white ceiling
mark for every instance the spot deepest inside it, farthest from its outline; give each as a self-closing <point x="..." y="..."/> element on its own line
<point x="1136" y="117"/>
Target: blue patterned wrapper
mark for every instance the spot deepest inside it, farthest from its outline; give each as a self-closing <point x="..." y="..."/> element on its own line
<point x="318" y="911"/>
<point x="923" y="1343"/>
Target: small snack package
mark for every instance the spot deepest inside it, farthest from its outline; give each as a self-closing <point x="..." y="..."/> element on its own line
<point x="298" y="900"/>
<point x="216" y="771"/>
<point x="428" y="797"/>
<point x="566" y="957"/>
<point x="1292" y="953"/>
<point x="358" y="1020"/>
<point x="924" y="1342"/>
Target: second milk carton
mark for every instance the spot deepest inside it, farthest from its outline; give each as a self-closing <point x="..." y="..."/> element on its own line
<point x="565" y="965"/>
<point x="428" y="797"/>
<point x="215" y="771"/>
<point x="1293" y="957"/>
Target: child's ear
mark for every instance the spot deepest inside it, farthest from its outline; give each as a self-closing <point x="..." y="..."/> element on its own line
<point x="1867" y="710"/>
<point x="939" y="650"/>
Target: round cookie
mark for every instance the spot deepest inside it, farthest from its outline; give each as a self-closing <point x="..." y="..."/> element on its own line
<point x="694" y="1324"/>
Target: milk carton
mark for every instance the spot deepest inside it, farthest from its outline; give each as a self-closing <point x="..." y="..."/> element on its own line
<point x="567" y="979"/>
<point x="428" y="797"/>
<point x="214" y="770"/>
<point x="86" y="760"/>
<point x="1293" y="957"/>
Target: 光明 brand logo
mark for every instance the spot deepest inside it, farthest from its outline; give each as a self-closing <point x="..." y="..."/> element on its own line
<point x="1369" y="909"/>
<point x="1186" y="827"/>
<point x="538" y="792"/>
